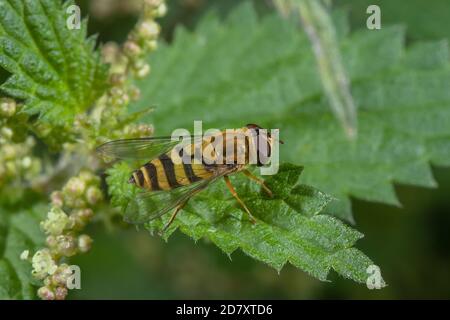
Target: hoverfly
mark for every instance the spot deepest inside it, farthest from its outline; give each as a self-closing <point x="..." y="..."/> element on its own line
<point x="169" y="178"/>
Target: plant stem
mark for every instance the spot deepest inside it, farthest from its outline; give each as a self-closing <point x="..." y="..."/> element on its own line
<point x="320" y="30"/>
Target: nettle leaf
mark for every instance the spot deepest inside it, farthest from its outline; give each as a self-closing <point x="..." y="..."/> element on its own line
<point x="289" y="226"/>
<point x="55" y="70"/>
<point x="261" y="70"/>
<point x="18" y="232"/>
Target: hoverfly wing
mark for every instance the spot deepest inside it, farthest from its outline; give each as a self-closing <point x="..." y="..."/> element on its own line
<point x="150" y="205"/>
<point x="140" y="148"/>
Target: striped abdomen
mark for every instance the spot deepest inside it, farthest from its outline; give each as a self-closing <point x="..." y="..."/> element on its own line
<point x="162" y="174"/>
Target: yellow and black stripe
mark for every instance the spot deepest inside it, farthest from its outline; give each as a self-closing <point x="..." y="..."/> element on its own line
<point x="163" y="174"/>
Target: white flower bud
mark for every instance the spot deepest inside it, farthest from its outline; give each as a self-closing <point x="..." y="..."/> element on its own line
<point x="43" y="264"/>
<point x="46" y="293"/>
<point x="80" y="218"/>
<point x="151" y="45"/>
<point x="135" y="93"/>
<point x="93" y="195"/>
<point x="117" y="79"/>
<point x="87" y="176"/>
<point x="162" y="10"/>
<point x="149" y="30"/>
<point x="24" y="255"/>
<point x="84" y="243"/>
<point x="7" y="132"/>
<point x="30" y="142"/>
<point x="51" y="241"/>
<point x="66" y="245"/>
<point x="132" y="49"/>
<point x="26" y="162"/>
<point x="7" y="107"/>
<point x="75" y="186"/>
<point x="57" y="221"/>
<point x="61" y="275"/>
<point x="110" y="51"/>
<point x="86" y="214"/>
<point x="145" y="130"/>
<point x="60" y="293"/>
<point x="142" y="70"/>
<point x="57" y="199"/>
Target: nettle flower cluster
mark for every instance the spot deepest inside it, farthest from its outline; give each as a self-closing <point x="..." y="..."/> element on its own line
<point x="16" y="160"/>
<point x="144" y="38"/>
<point x="71" y="209"/>
<point x="110" y="118"/>
<point x="75" y="204"/>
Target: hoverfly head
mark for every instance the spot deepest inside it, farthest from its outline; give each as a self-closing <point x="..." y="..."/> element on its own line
<point x="263" y="141"/>
<point x="267" y="135"/>
<point x="256" y="130"/>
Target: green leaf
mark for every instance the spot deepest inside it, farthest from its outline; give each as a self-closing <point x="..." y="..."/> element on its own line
<point x="289" y="226"/>
<point x="18" y="232"/>
<point x="118" y="186"/>
<point x="55" y="70"/>
<point x="416" y="15"/>
<point x="261" y="70"/>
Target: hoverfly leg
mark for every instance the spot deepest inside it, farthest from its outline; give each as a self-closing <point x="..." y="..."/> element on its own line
<point x="234" y="193"/>
<point x="172" y="218"/>
<point x="259" y="181"/>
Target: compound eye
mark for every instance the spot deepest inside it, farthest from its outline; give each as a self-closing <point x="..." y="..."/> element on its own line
<point x="253" y="126"/>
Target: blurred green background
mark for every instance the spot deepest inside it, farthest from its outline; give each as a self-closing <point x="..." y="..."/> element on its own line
<point x="411" y="244"/>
